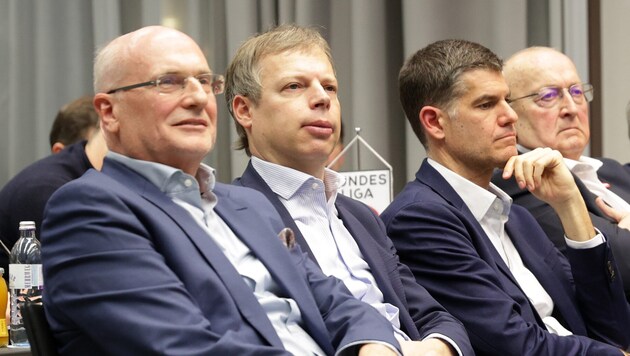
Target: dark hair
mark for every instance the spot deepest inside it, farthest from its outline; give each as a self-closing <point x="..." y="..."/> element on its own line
<point x="431" y="76"/>
<point x="74" y="122"/>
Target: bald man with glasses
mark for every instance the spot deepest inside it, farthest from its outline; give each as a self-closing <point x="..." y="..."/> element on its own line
<point x="552" y="103"/>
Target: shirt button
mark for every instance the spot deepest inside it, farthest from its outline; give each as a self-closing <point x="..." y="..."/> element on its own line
<point x="315" y="186"/>
<point x="188" y="182"/>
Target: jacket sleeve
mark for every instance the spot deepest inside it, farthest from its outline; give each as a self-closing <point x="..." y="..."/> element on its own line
<point x="428" y="315"/>
<point x="109" y="290"/>
<point x="434" y="240"/>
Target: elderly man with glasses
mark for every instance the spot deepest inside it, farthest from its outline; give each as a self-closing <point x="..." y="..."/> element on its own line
<point x="551" y="101"/>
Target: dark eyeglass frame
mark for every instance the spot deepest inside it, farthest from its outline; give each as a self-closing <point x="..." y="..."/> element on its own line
<point x="214" y="78"/>
<point x="587" y="93"/>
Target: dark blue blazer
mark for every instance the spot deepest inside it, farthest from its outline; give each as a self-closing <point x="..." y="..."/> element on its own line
<point x="612" y="173"/>
<point x="129" y="272"/>
<point x="437" y="236"/>
<point x="616" y="175"/>
<point x="420" y="315"/>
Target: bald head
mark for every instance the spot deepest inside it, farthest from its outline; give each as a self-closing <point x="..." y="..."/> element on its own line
<point x="121" y="57"/>
<point x="562" y="125"/>
<point x="524" y="67"/>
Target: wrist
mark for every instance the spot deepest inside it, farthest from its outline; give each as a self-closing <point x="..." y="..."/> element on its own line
<point x="575" y="219"/>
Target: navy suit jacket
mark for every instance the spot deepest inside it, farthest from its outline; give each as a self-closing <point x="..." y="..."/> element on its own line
<point x="129" y="272"/>
<point x="612" y="173"/>
<point x="437" y="236"/>
<point x="617" y="175"/>
<point x="420" y="315"/>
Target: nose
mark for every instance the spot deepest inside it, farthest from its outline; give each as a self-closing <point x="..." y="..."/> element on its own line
<point x="320" y="97"/>
<point x="568" y="107"/>
<point x="509" y="116"/>
<point x="194" y="94"/>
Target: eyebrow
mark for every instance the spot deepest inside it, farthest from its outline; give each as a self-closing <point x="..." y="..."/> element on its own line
<point x="559" y="86"/>
<point x="488" y="97"/>
<point x="303" y="76"/>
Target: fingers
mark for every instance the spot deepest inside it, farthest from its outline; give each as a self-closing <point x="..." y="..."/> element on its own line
<point x="528" y="168"/>
<point x="621" y="217"/>
<point x="509" y="168"/>
<point x="608" y="210"/>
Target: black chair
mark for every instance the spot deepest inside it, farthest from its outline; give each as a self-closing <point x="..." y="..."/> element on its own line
<point x="38" y="331"/>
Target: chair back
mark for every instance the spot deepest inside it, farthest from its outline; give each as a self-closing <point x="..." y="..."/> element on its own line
<point x="38" y="331"/>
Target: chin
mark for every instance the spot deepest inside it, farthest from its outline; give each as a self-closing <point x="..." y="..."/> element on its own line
<point x="500" y="162"/>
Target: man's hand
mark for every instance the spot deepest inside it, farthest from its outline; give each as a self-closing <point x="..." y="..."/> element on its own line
<point x="376" y="350"/>
<point x="543" y="172"/>
<point x="621" y="217"/>
<point x="427" y="347"/>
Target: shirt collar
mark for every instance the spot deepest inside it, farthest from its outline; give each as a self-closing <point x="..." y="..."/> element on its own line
<point x="593" y="163"/>
<point x="172" y="181"/>
<point x="521" y="148"/>
<point x="286" y="182"/>
<point x="477" y="199"/>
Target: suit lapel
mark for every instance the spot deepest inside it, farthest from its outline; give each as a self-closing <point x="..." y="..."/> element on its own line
<point x="558" y="289"/>
<point x="613" y="173"/>
<point x="432" y="178"/>
<point x="232" y="280"/>
<point x="589" y="199"/>
<point x="275" y="257"/>
<point x="369" y="250"/>
<point x="252" y="179"/>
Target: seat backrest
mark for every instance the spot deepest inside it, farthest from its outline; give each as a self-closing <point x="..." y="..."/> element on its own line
<point x="38" y="331"/>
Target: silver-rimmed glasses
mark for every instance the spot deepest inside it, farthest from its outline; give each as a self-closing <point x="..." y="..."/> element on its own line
<point x="170" y="83"/>
<point x="549" y="96"/>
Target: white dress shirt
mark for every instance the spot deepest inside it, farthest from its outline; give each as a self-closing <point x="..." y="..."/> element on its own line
<point x="491" y="208"/>
<point x="311" y="203"/>
<point x="586" y="169"/>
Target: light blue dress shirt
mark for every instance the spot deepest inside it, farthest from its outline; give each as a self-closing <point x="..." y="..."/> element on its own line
<point x="195" y="195"/>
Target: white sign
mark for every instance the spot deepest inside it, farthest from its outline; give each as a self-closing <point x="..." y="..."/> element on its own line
<point x="369" y="187"/>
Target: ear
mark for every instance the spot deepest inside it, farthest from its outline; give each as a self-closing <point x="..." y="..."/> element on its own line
<point x="432" y="120"/>
<point x="105" y="109"/>
<point x="241" y="108"/>
<point x="57" y="147"/>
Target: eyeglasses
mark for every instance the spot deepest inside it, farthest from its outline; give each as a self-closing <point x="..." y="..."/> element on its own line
<point x="170" y="83"/>
<point x="548" y="96"/>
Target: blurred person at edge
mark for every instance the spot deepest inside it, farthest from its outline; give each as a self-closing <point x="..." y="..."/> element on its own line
<point x="76" y="121"/>
<point x="24" y="197"/>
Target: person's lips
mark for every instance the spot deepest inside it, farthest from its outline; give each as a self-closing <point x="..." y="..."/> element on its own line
<point x="319" y="128"/>
<point x="192" y="122"/>
<point x="507" y="136"/>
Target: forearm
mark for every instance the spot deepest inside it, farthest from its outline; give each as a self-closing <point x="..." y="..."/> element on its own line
<point x="575" y="218"/>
